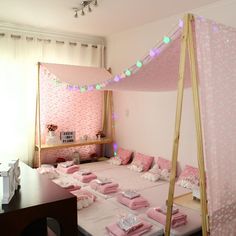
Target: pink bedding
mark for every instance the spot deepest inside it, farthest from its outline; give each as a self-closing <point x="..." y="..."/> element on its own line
<point x="177" y="219"/>
<point x="135" y="203"/>
<point x="104" y="188"/>
<point x="84" y="178"/>
<point x="115" y="230"/>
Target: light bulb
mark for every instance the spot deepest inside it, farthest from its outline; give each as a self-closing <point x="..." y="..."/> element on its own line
<point x="98" y="86"/>
<point x="82" y="12"/>
<point x="90" y="87"/>
<point x="117" y="78"/>
<point x="89" y="8"/>
<point x="128" y="72"/>
<point x="139" y="64"/>
<point x="95" y="3"/>
<point x="166" y="39"/>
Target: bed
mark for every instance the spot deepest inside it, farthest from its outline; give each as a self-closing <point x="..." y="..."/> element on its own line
<point x="93" y="219"/>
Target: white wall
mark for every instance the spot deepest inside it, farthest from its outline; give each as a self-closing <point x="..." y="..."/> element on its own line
<point x="145" y="121"/>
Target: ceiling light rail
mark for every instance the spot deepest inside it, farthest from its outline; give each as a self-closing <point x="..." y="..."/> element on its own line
<point x="84" y="6"/>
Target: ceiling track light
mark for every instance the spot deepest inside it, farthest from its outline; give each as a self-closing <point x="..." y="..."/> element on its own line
<point x="83" y="5"/>
<point x="75" y="12"/>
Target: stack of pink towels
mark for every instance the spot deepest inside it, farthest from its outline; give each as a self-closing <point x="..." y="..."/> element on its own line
<point x="137" y="230"/>
<point x="72" y="187"/>
<point x="84" y="198"/>
<point x="134" y="202"/>
<point x="67" y="167"/>
<point x="104" y="186"/>
<point x="84" y="176"/>
<point x="159" y="215"/>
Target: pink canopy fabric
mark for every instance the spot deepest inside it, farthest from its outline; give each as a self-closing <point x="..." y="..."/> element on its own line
<point x="216" y="58"/>
<point x="72" y="74"/>
<point x="160" y="74"/>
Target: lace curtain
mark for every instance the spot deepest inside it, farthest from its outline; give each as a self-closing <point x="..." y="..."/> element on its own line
<point x="216" y="54"/>
<point x="19" y="55"/>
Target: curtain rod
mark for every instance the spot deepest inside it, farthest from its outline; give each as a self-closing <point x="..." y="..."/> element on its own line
<point x="30" y="38"/>
<point x="6" y="27"/>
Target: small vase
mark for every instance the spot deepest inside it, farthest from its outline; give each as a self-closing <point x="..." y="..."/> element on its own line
<point x="51" y="138"/>
<point x="51" y="133"/>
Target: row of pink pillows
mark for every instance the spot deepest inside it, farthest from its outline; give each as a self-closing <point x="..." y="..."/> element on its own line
<point x="190" y="173"/>
<point x="146" y="161"/>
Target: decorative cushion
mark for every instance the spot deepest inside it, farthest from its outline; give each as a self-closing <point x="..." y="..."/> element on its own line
<point x="164" y="164"/>
<point x="124" y="155"/>
<point x="145" y="160"/>
<point x="138" y="167"/>
<point x="155" y="173"/>
<point x="189" y="177"/>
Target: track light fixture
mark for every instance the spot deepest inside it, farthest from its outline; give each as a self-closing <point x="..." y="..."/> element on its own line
<point x="84" y="4"/>
<point x="76" y="14"/>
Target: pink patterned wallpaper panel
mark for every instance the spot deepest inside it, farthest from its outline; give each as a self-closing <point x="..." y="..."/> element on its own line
<point x="70" y="110"/>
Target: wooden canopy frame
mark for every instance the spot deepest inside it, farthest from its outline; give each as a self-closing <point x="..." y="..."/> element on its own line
<point x="187" y="44"/>
<point x="107" y="125"/>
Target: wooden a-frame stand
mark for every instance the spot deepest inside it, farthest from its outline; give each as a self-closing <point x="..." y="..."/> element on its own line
<point x="39" y="147"/>
<point x="187" y="44"/>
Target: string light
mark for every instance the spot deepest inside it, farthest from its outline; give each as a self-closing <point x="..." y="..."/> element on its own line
<point x="117" y="78"/>
<point x="154" y="52"/>
<point x="90" y="88"/>
<point x="82" y="89"/>
<point x="139" y="64"/>
<point x="128" y="72"/>
<point x="166" y="39"/>
<point x="181" y="23"/>
<point x="98" y="86"/>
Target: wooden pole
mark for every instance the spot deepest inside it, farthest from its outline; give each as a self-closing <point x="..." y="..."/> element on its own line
<point x="112" y="124"/>
<point x="177" y="124"/>
<point x="200" y="155"/>
<point x="38" y="117"/>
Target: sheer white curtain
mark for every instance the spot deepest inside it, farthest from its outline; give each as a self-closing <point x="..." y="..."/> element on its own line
<point x="19" y="55"/>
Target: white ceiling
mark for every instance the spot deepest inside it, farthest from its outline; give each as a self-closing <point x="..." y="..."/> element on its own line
<point x="111" y="16"/>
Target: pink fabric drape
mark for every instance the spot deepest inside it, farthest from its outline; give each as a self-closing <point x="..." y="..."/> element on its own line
<point x="216" y="58"/>
<point x="70" y="110"/>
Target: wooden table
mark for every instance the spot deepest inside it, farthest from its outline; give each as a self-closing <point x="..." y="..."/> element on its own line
<point x="35" y="200"/>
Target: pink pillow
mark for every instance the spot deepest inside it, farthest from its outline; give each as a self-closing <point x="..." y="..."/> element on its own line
<point x="145" y="160"/>
<point x="124" y="155"/>
<point x="164" y="164"/>
<point x="189" y="177"/>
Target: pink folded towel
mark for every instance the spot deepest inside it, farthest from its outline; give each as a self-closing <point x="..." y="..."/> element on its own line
<point x="72" y="187"/>
<point x="84" y="178"/>
<point x="83" y="194"/>
<point x="115" y="230"/>
<point x="135" y="203"/>
<point x="177" y="219"/>
<point x="69" y="169"/>
<point x="104" y="188"/>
